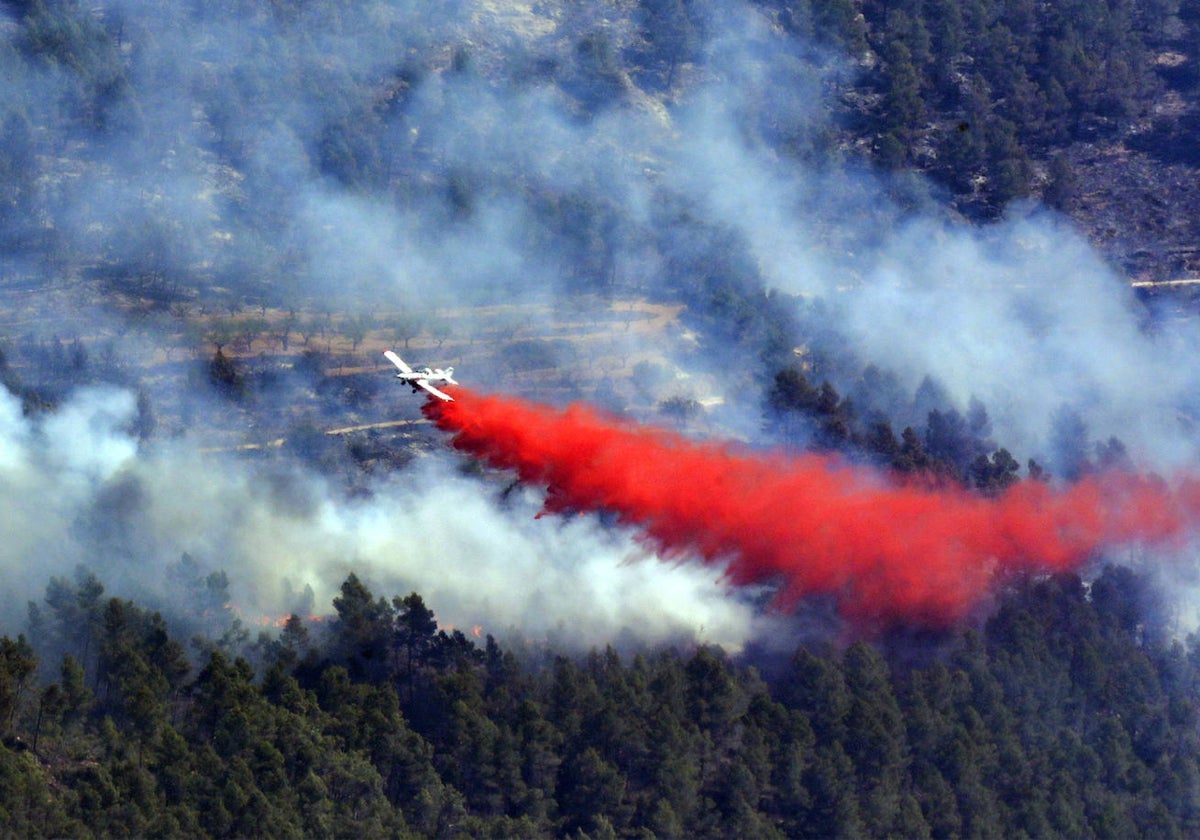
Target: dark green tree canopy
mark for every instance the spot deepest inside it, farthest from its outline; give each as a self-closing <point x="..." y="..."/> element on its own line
<point x="1069" y="712"/>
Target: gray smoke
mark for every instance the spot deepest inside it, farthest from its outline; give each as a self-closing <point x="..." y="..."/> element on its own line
<point x="482" y="166"/>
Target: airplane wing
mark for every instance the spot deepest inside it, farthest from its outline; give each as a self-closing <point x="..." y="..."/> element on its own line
<point x="439" y="394"/>
<point x="397" y="361"/>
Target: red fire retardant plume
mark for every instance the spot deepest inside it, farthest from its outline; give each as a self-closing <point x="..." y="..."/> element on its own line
<point x="887" y="551"/>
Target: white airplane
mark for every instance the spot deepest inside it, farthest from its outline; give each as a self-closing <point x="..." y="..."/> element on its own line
<point x="422" y="378"/>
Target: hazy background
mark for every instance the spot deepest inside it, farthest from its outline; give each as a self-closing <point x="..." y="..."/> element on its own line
<point x="342" y="158"/>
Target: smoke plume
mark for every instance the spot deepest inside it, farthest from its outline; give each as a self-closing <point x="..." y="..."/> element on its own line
<point x="75" y="490"/>
<point x="343" y="158"/>
<point x="885" y="550"/>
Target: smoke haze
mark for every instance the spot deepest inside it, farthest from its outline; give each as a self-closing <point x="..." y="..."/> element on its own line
<point x="76" y="491"/>
<point x="502" y="166"/>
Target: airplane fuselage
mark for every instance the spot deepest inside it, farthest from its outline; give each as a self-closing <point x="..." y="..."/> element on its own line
<point x="422" y="379"/>
<point x="428" y="374"/>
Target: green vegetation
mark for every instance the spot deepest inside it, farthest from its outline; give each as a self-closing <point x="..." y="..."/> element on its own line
<point x="976" y="92"/>
<point x="1068" y="714"/>
<point x="935" y="441"/>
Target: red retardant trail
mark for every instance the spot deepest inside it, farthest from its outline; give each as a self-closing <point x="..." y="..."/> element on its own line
<point x="886" y="551"/>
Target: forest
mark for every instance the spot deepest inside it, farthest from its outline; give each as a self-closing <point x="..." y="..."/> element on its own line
<point x="1069" y="712"/>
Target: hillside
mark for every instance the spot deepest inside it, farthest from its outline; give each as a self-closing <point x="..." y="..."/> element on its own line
<point x="379" y="721"/>
<point x="1091" y="108"/>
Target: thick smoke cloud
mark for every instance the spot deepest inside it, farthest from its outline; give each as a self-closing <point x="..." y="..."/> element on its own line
<point x="1026" y="318"/>
<point x="74" y="490"/>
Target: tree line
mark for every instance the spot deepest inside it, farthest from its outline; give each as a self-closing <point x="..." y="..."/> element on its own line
<point x="1070" y="711"/>
<point x="941" y="442"/>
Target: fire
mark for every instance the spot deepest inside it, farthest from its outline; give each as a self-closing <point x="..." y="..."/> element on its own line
<point x="476" y="629"/>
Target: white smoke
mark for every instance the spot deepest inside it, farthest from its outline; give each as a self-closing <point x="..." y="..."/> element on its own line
<point x="74" y="489"/>
<point x="49" y="474"/>
<point x="1026" y="317"/>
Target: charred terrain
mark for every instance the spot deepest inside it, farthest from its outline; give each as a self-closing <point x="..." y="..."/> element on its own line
<point x="827" y="374"/>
